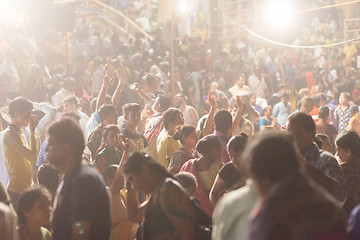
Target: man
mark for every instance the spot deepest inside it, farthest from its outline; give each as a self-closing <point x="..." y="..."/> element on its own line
<point x="267" y="120"/>
<point x="282" y="109"/>
<point x="342" y="112"/>
<point x="191" y="117"/>
<point x="354" y="123"/>
<point x="223" y="129"/>
<point x="239" y="88"/>
<point x="257" y="84"/>
<point x="173" y="120"/>
<point x="71" y="105"/>
<point x="307" y="104"/>
<point x="132" y="113"/>
<point x="108" y="115"/>
<point x="67" y="90"/>
<point x="82" y="207"/>
<point x="18" y="156"/>
<point x="302" y="127"/>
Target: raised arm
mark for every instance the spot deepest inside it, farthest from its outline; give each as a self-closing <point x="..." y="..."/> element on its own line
<point x="239" y="113"/>
<point x="103" y="90"/>
<point x="208" y="126"/>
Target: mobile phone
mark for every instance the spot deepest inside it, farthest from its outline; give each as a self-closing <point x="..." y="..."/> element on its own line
<point x="132" y="86"/>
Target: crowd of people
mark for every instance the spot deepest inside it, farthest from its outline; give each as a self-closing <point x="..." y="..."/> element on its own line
<point x="259" y="142"/>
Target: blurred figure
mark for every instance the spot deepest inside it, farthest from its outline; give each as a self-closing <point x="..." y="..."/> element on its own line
<point x="354" y="123"/>
<point x="191" y="116"/>
<point x="323" y="126"/>
<point x="49" y="177"/>
<point x="342" y="112"/>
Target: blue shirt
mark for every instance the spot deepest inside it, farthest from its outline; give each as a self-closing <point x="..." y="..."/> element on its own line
<point x="281" y="113"/>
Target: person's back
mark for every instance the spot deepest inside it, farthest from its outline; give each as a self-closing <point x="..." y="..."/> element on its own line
<point x="83" y="196"/>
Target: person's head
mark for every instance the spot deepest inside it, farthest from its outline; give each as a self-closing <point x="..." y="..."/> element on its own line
<point x="268" y="111"/>
<point x="70" y="104"/>
<point x="270" y="157"/>
<point x="173" y="119"/>
<point x="132" y="112"/>
<point x="307" y="104"/>
<point x="319" y="99"/>
<point x="161" y="103"/>
<point x="354" y="110"/>
<point x="325" y="142"/>
<point x="187" y="181"/>
<point x="34" y="206"/>
<point x="302" y="127"/>
<point x="179" y="100"/>
<point x="73" y="116"/>
<point x="111" y="136"/>
<point x="240" y="80"/>
<point x="284" y="96"/>
<point x="304" y="92"/>
<point x="235" y="148"/>
<point x="187" y="136"/>
<point x="223" y="121"/>
<point x="143" y="173"/>
<point x="65" y="144"/>
<point x="108" y="114"/>
<point x="324" y="112"/>
<point x="252" y="100"/>
<point x="69" y="84"/>
<point x="150" y="81"/>
<point x="348" y="146"/>
<point x="109" y="173"/>
<point x="49" y="177"/>
<point x="344" y="98"/>
<point x="209" y="147"/>
<point x="20" y="111"/>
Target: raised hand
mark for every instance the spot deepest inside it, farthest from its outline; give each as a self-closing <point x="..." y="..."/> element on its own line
<point x="239" y="103"/>
<point x="33" y="123"/>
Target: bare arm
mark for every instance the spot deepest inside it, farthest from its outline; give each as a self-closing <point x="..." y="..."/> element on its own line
<point x="239" y="113"/>
<point x="103" y="90"/>
<point x="208" y="126"/>
<point x="217" y="190"/>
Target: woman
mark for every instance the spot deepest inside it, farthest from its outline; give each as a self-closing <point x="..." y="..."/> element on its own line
<point x="188" y="138"/>
<point x="348" y="151"/>
<point x="33" y="210"/>
<point x="231" y="176"/>
<point x="323" y="126"/>
<point x="108" y="154"/>
<point x="168" y="213"/>
<point x="205" y="169"/>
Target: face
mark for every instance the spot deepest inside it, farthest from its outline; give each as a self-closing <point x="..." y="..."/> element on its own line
<point x="343" y="154"/>
<point x="234" y="157"/>
<point x="139" y="181"/>
<point x="191" y="140"/>
<point x="156" y="105"/>
<point x="326" y="145"/>
<point x="111" y="118"/>
<point x="252" y="100"/>
<point x="40" y="212"/>
<point x="133" y="118"/>
<point x="23" y="117"/>
<point x="55" y="152"/>
<point x="303" y="138"/>
<point x="268" y="112"/>
<point x="111" y="139"/>
<point x="241" y="81"/>
<point x="343" y="100"/>
<point x="69" y="108"/>
<point x="178" y="101"/>
<point x="309" y="106"/>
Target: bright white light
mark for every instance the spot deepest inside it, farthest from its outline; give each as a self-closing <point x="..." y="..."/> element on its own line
<point x="278" y="14"/>
<point x="182" y="7"/>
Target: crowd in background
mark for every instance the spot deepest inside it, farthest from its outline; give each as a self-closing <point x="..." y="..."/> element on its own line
<point x="256" y="142"/>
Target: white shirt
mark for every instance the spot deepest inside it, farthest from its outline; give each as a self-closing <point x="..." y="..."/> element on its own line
<point x="83" y="120"/>
<point x="231" y="217"/>
<point x="57" y="99"/>
<point x="258" y="86"/>
<point x="191" y="117"/>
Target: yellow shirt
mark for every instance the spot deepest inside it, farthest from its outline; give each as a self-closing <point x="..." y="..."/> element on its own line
<point x="207" y="178"/>
<point x="167" y="147"/>
<point x="354" y="123"/>
<point x="17" y="157"/>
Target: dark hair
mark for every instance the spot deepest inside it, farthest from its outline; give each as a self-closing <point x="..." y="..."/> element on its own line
<point x="324" y="112"/>
<point x="349" y="140"/>
<point x="150" y="79"/>
<point x="284" y="94"/>
<point x="353" y="109"/>
<point x="72" y="116"/>
<point x="109" y="171"/>
<point x="49" y="176"/>
<point x="109" y="128"/>
<point x="105" y="110"/>
<point x="238" y="143"/>
<point x="19" y="104"/>
<point x="131" y="107"/>
<point x="27" y="200"/>
<point x="164" y="102"/>
<point x="184" y="132"/>
<point x="72" y="100"/>
<point x="186" y="179"/>
<point x="134" y="163"/>
<point x="207" y="144"/>
<point x="222" y="120"/>
<point x="318" y="141"/>
<point x="303" y="119"/>
<point x="346" y="95"/>
<point x="69" y="132"/>
<point x="272" y="155"/>
<point x="169" y="116"/>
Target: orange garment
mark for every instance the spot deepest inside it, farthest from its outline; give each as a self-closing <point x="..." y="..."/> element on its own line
<point x="315" y="114"/>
